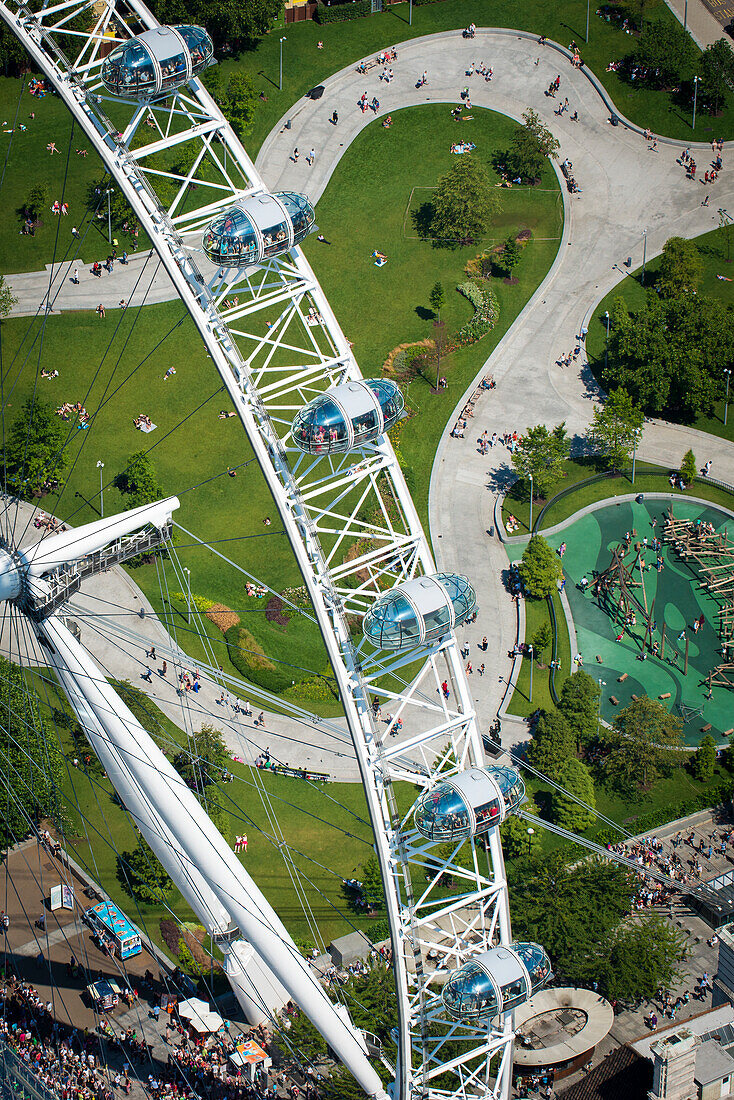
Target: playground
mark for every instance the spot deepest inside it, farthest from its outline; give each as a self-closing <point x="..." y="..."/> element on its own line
<point x="653" y="619"/>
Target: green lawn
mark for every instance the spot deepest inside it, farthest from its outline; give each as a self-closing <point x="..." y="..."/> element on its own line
<point x="717" y="254"/>
<point x="536" y="612"/>
<point x="118" y="373"/>
<point x="380" y="308"/>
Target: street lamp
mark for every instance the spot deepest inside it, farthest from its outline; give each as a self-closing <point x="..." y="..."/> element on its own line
<point x="108" y="192"/>
<point x="644" y="255"/>
<point x="530" y="654"/>
<point x="531" y="834"/>
<point x="606" y="347"/>
<point x="685" y="16"/>
<point x="410" y="13"/>
<point x="188" y="594"/>
<point x="280" y="80"/>
<point x="530" y="524"/>
<point x="588" y="5"/>
<point x="100" y="467"/>
<point x="695" y="96"/>
<point x="727" y="372"/>
<point x="602" y="684"/>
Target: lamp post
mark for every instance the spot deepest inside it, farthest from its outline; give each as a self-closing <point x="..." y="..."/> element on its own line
<point x="530" y="654"/>
<point x="695" y="96"/>
<point x="606" y="346"/>
<point x="644" y="255"/>
<point x="727" y="372"/>
<point x="108" y="192"/>
<point x="530" y="524"/>
<point x="100" y="467"/>
<point x="685" y="16"/>
<point x="635" y="437"/>
<point x="601" y="683"/>
<point x="188" y="594"/>
<point x="588" y="5"/>
<point x="531" y="834"/>
<point x="410" y="13"/>
<point x="280" y="78"/>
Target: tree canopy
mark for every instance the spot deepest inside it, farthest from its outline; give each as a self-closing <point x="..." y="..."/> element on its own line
<point x="204" y="759"/>
<point x="7" y="298"/>
<point x="641" y="745"/>
<point x="540" y="569"/>
<point x="704" y="758"/>
<point x="681" y="268"/>
<point x="642" y="958"/>
<point x="30" y="758"/>
<point x="579" y="705"/>
<point x="232" y="25"/>
<point x="531" y="146"/>
<point x="138" y="481"/>
<point x="142" y="875"/>
<point x="667" y="52"/>
<point x="463" y="204"/>
<point x="574" y="777"/>
<point x="670" y="354"/>
<point x="35" y="449"/>
<point x="542" y="453"/>
<point x="552" y="743"/>
<point x="716" y="69"/>
<point x="615" y="426"/>
<point x="689" y="467"/>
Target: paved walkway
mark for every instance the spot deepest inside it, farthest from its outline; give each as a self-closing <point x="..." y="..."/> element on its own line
<point x="626" y="186"/>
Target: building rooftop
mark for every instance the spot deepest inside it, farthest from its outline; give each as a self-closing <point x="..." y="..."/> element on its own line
<point x="623" y="1073"/>
<point x="713" y="1063"/>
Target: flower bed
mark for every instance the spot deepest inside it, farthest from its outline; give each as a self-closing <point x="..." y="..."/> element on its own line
<point x="487" y="311"/>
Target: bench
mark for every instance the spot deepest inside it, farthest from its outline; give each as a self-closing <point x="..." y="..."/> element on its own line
<point x="634" y="698"/>
<point x="706" y="728"/>
<point x="728" y="733"/>
<point x="613" y="699"/>
<point x="621" y="679"/>
<point x="665" y="695"/>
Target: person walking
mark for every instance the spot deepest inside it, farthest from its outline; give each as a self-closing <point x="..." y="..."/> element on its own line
<point x="75" y="276"/>
<point x="311" y="157"/>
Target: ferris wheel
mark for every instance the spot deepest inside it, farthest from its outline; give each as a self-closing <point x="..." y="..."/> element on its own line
<point x="318" y="431"/>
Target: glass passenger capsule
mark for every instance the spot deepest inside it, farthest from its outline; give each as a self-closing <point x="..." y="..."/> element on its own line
<point x="468" y="804"/>
<point x="157" y="61"/>
<point x="348" y="415"/>
<point x="258" y="227"/>
<point x="496" y="981"/>
<point x="420" y="611"/>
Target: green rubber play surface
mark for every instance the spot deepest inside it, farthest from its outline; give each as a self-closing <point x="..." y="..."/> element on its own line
<point x="678" y="602"/>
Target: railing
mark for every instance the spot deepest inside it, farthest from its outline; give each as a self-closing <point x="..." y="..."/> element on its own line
<point x="17" y="1081"/>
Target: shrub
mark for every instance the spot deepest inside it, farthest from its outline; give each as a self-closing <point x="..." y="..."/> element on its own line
<point x="222" y="616"/>
<point x="250" y="660"/>
<point x="201" y="603"/>
<point x="487" y="311"/>
<point x="343" y="13"/>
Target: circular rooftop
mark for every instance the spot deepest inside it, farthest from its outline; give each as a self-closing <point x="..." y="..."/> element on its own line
<point x="557" y="1026"/>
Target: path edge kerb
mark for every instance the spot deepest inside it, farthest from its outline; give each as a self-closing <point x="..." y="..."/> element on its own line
<point x="505" y="32"/>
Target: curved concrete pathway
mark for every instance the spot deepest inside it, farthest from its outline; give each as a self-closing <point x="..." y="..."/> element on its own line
<point x="626" y="186"/>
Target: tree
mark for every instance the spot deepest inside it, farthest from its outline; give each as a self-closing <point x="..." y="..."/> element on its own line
<point x="141" y="874"/>
<point x="510" y="255"/>
<point x="579" y="704"/>
<point x="641" y="745"/>
<point x="30" y="758"/>
<point x="571" y="906"/>
<point x="688" y="467"/>
<point x="666" y="51"/>
<point x="552" y="743"/>
<point x="232" y="25"/>
<point x="516" y="840"/>
<point x="541" y="639"/>
<point x="540" y="568"/>
<point x="372" y="890"/>
<point x="7" y="298"/>
<point x="542" y="453"/>
<point x="35" y="457"/>
<point x="437" y="299"/>
<point x="464" y="204"/>
<point x="575" y="777"/>
<point x="204" y="760"/>
<point x="36" y="200"/>
<point x="138" y="481"/>
<point x="704" y="759"/>
<point x="239" y="102"/>
<point x="681" y="268"/>
<point x="716" y="69"/>
<point x="615" y="426"/>
<point x="532" y="144"/>
<point x="643" y="958"/>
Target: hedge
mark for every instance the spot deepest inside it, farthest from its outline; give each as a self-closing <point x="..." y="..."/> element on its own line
<point x="272" y="679"/>
<point x="715" y="795"/>
<point x="342" y="13"/>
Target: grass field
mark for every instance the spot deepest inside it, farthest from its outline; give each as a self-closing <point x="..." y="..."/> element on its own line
<point x="380" y="308"/>
<point x="536" y="612"/>
<point x="717" y="253"/>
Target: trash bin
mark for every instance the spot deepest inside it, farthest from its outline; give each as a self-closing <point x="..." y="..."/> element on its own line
<point x="614" y="120"/>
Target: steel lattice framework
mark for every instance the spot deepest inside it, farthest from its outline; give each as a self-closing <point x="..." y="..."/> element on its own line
<point x="350" y="519"/>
